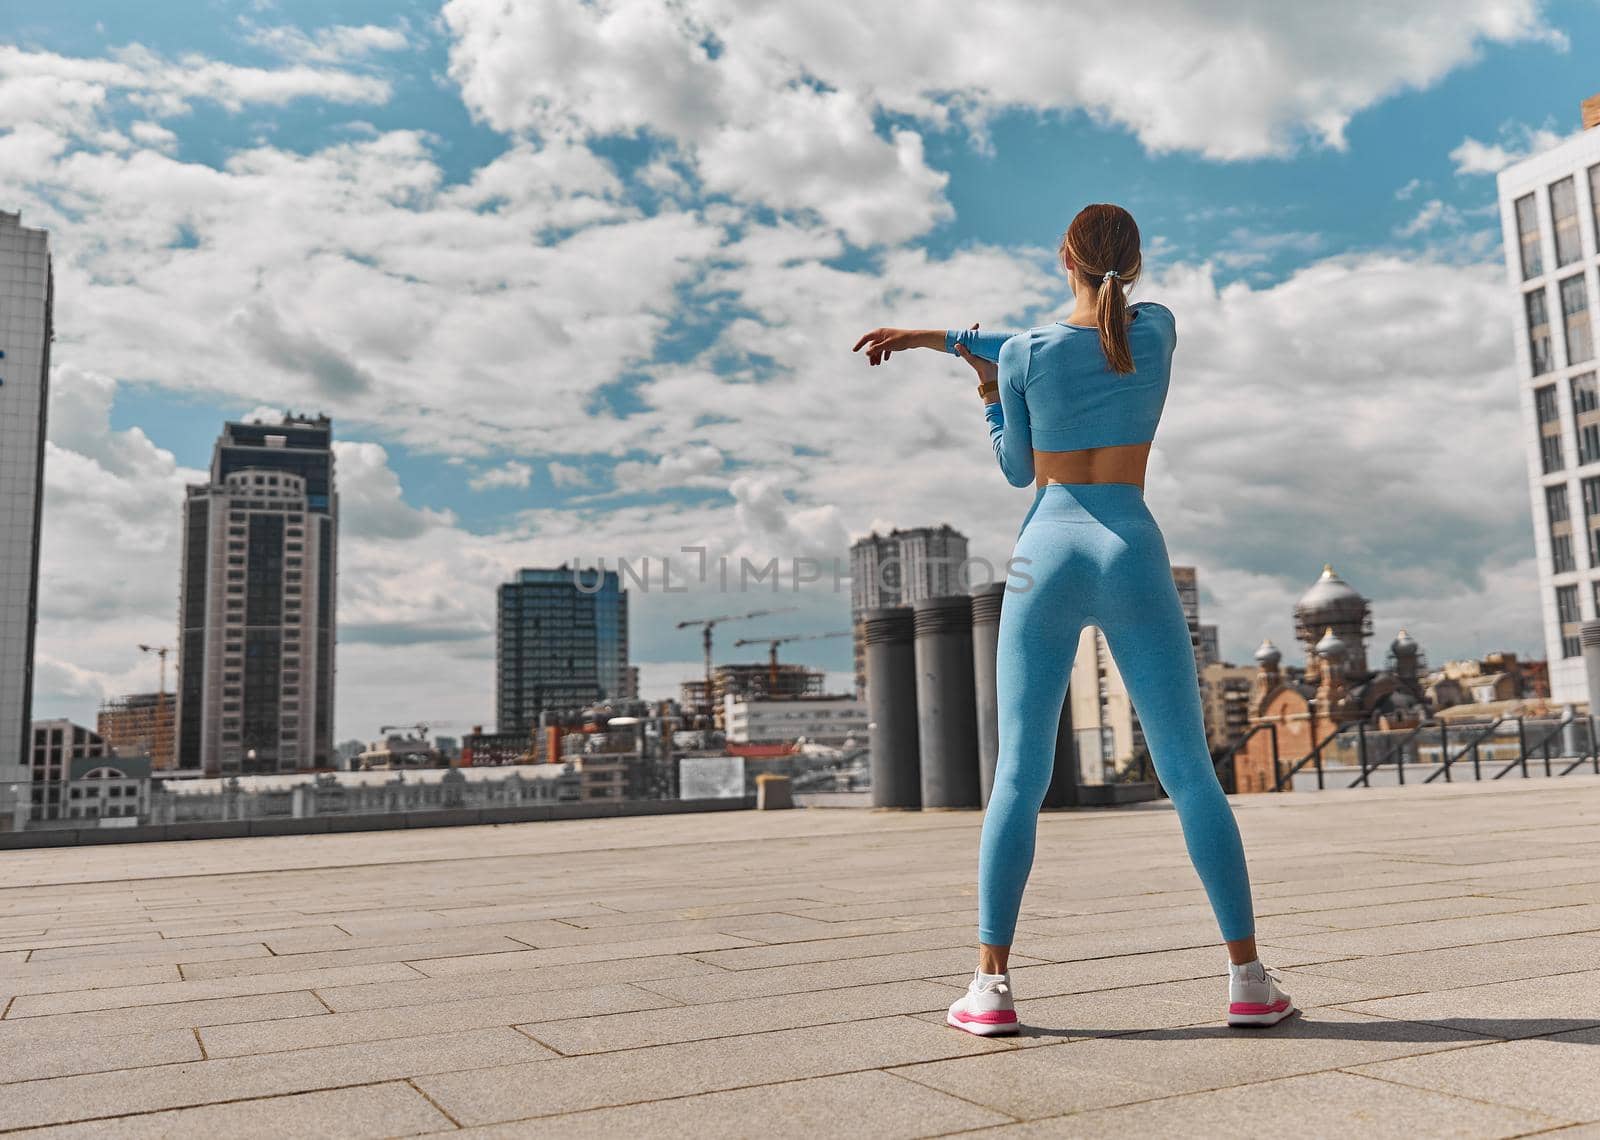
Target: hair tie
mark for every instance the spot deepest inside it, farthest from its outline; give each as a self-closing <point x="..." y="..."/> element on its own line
<point x="1110" y="275"/>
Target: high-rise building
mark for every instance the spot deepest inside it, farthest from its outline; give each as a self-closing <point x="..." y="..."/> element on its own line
<point x="1188" y="583"/>
<point x="26" y="301"/>
<point x="899" y="568"/>
<point x="1210" y="645"/>
<point x="1550" y="215"/>
<point x="257" y="617"/>
<point x="561" y="643"/>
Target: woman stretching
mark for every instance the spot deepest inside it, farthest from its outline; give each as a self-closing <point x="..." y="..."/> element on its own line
<point x="1073" y="406"/>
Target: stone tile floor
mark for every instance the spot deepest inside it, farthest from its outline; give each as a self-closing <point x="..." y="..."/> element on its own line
<point x="785" y="973"/>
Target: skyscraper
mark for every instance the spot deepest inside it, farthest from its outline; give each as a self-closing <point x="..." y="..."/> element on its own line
<point x="562" y="643"/>
<point x="257" y="619"/>
<point x="902" y="567"/>
<point x="1550" y="215"/>
<point x="26" y="299"/>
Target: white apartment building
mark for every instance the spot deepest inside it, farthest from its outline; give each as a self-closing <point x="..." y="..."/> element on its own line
<point x="25" y="330"/>
<point x="821" y="720"/>
<point x="1549" y="209"/>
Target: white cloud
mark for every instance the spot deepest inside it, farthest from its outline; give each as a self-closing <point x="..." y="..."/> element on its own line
<point x="566" y="475"/>
<point x="513" y="473"/>
<point x="1517" y="141"/>
<point x="1216" y="78"/>
<point x="339" y="43"/>
<point x="1434" y="214"/>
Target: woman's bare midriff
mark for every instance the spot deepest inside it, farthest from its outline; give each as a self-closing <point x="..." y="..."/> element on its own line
<point x="1124" y="463"/>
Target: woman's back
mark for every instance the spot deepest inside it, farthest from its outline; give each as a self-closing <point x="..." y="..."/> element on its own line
<point x="1074" y="399"/>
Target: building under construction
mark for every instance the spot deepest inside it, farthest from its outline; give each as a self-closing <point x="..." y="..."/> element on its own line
<point x="140" y="724"/>
<point x="760" y="681"/>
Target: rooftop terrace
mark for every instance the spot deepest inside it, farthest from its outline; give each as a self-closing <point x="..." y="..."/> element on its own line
<point x="785" y="973"/>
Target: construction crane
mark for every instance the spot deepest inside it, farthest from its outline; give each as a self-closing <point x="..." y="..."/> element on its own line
<point x="772" y="644"/>
<point x="163" y="743"/>
<point x="707" y="624"/>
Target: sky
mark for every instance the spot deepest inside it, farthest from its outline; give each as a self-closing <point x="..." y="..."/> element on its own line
<point x="580" y="281"/>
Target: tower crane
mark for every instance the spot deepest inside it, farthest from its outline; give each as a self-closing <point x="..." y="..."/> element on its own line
<point x="707" y="624"/>
<point x="772" y="644"/>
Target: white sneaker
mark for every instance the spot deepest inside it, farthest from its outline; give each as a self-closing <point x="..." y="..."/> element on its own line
<point x="1254" y="997"/>
<point x="986" y="1008"/>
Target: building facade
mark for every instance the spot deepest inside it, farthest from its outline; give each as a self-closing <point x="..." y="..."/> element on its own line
<point x="257" y="615"/>
<point x="561" y="643"/>
<point x="56" y="746"/>
<point x="899" y="568"/>
<point x="140" y="724"/>
<point x="26" y="304"/>
<point x="819" y="720"/>
<point x="1550" y="217"/>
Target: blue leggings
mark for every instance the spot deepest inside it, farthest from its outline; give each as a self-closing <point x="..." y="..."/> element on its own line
<point x="1092" y="553"/>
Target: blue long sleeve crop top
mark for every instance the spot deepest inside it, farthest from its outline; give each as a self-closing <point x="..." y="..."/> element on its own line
<point x="1058" y="393"/>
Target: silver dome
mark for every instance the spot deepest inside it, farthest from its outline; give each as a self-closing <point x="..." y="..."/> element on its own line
<point x="1267" y="654"/>
<point x="1330" y="599"/>
<point x="1330" y="646"/>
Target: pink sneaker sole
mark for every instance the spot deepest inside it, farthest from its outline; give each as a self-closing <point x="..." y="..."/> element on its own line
<point x="1259" y="1015"/>
<point x="984" y="1024"/>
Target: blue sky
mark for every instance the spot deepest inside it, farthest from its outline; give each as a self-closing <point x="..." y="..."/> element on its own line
<point x="668" y="273"/>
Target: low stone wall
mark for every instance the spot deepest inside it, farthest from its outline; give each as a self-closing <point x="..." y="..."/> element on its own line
<point x="324" y="824"/>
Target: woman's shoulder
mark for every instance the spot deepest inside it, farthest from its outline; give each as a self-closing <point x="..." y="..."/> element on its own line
<point x="1155" y="309"/>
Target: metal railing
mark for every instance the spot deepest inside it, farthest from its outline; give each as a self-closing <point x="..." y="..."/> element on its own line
<point x="1431" y="751"/>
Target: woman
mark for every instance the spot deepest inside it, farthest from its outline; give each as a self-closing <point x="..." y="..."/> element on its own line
<point x="1073" y="406"/>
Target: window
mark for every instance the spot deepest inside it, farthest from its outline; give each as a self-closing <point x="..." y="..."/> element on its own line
<point x="1538" y="330"/>
<point x="1555" y="506"/>
<point x="1564" y="217"/>
<point x="1594" y="196"/>
<point x="1567" y="612"/>
<point x="1586" y="407"/>
<point x="1528" y="235"/>
<point x="1591" y="519"/>
<point x="1575" y="318"/>
<point x="1549" y="413"/>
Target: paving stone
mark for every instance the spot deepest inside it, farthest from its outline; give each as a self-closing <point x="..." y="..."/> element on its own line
<point x="1527" y="1007"/>
<point x="581" y="1005"/>
<point x="65" y="1099"/>
<point x="112" y="998"/>
<point x="1466" y="965"/>
<point x="563" y="955"/>
<point x="571" y="1084"/>
<point x="1342" y="1105"/>
<point x="1445" y="933"/>
<point x="843" y="948"/>
<point x="810" y="976"/>
<point x="728" y="1018"/>
<point x="398" y="952"/>
<point x="370" y="1111"/>
<point x="1099" y="1072"/>
<point x="389" y="994"/>
<point x="1552" y="1075"/>
<point x="175" y="1015"/>
<point x="24" y="1059"/>
<point x="898" y="1110"/>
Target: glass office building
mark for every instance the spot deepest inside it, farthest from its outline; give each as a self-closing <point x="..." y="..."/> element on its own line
<point x="562" y="643"/>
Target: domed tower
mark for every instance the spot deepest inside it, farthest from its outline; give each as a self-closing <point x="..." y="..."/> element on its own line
<point x="1333" y="654"/>
<point x="1407" y="663"/>
<point x="1267" y="679"/>
<point x="1332" y="604"/>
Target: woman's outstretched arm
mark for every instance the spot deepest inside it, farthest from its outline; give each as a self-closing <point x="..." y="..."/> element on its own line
<point x="885" y="342"/>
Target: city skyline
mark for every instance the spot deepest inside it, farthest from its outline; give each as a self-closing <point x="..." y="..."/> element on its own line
<point x="589" y="397"/>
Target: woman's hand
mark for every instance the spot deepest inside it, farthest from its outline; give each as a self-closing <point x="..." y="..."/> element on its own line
<point x="883" y="343"/>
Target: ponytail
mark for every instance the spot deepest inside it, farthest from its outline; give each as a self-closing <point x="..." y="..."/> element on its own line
<point x="1111" y="314"/>
<point x="1103" y="244"/>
